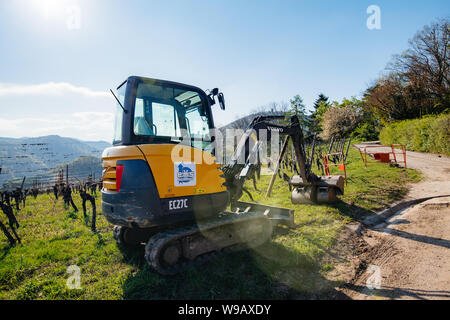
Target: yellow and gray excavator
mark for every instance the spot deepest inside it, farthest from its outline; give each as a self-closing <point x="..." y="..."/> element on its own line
<point x="177" y="205"/>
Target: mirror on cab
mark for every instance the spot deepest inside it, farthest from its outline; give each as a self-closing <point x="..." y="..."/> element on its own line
<point x="221" y="99"/>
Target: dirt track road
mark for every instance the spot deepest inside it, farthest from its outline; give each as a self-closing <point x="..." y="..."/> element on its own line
<point x="411" y="259"/>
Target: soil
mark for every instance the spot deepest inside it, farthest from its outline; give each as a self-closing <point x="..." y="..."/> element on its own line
<point x="407" y="255"/>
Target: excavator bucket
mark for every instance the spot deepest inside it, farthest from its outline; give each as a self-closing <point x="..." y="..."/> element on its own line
<point x="324" y="190"/>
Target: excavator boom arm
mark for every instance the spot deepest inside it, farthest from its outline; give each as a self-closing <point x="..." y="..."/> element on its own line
<point x="237" y="172"/>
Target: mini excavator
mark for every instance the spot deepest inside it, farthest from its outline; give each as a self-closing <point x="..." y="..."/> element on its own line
<point x="178" y="208"/>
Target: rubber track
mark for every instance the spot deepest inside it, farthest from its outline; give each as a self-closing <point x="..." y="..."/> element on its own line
<point x="158" y="241"/>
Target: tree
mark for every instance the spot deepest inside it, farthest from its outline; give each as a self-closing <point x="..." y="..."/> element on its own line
<point x="321" y="98"/>
<point x="321" y="105"/>
<point x="426" y="62"/>
<point x="349" y="118"/>
<point x="339" y="121"/>
<point x="272" y="108"/>
<point x="417" y="82"/>
<point x="298" y="108"/>
<point x="388" y="99"/>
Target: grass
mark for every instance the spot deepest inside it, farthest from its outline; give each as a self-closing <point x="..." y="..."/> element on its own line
<point x="54" y="238"/>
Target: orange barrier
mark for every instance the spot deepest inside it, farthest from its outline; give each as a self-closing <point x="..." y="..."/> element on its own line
<point x="327" y="164"/>
<point x="384" y="156"/>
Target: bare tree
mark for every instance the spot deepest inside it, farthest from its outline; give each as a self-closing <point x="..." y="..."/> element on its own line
<point x="272" y="108"/>
<point x="426" y="63"/>
<point x="340" y="122"/>
<point x="418" y="81"/>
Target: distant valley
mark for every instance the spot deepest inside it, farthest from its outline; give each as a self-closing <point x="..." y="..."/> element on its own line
<point x="41" y="157"/>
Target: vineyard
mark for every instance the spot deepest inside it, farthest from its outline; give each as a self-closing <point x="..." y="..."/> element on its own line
<point x="55" y="236"/>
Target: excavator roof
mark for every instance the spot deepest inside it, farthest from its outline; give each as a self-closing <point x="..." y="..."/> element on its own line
<point x="159" y="81"/>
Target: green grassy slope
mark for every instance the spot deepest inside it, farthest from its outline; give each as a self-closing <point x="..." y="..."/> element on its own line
<point x="55" y="238"/>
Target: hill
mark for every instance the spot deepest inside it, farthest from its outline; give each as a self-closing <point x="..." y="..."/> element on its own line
<point x="39" y="156"/>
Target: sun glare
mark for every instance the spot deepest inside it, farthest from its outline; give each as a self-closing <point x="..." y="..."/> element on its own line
<point x="50" y="8"/>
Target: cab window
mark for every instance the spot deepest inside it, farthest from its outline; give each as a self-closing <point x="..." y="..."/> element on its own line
<point x="164" y="111"/>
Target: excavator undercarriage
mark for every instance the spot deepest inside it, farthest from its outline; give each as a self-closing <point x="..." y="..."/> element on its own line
<point x="173" y="250"/>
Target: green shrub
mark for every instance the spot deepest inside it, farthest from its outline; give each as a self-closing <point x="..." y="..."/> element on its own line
<point x="365" y="132"/>
<point x="429" y="134"/>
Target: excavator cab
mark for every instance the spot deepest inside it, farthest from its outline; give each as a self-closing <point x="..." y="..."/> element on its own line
<point x="153" y="111"/>
<point x="145" y="183"/>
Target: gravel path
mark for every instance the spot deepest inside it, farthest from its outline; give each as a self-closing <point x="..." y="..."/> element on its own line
<point x="412" y="259"/>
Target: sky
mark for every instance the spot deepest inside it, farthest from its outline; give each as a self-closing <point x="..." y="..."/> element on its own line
<point x="59" y="58"/>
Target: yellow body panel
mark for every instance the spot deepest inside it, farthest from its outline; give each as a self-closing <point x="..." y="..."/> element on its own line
<point x="208" y="179"/>
<point x="161" y="161"/>
<point x="110" y="157"/>
<point x="121" y="153"/>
